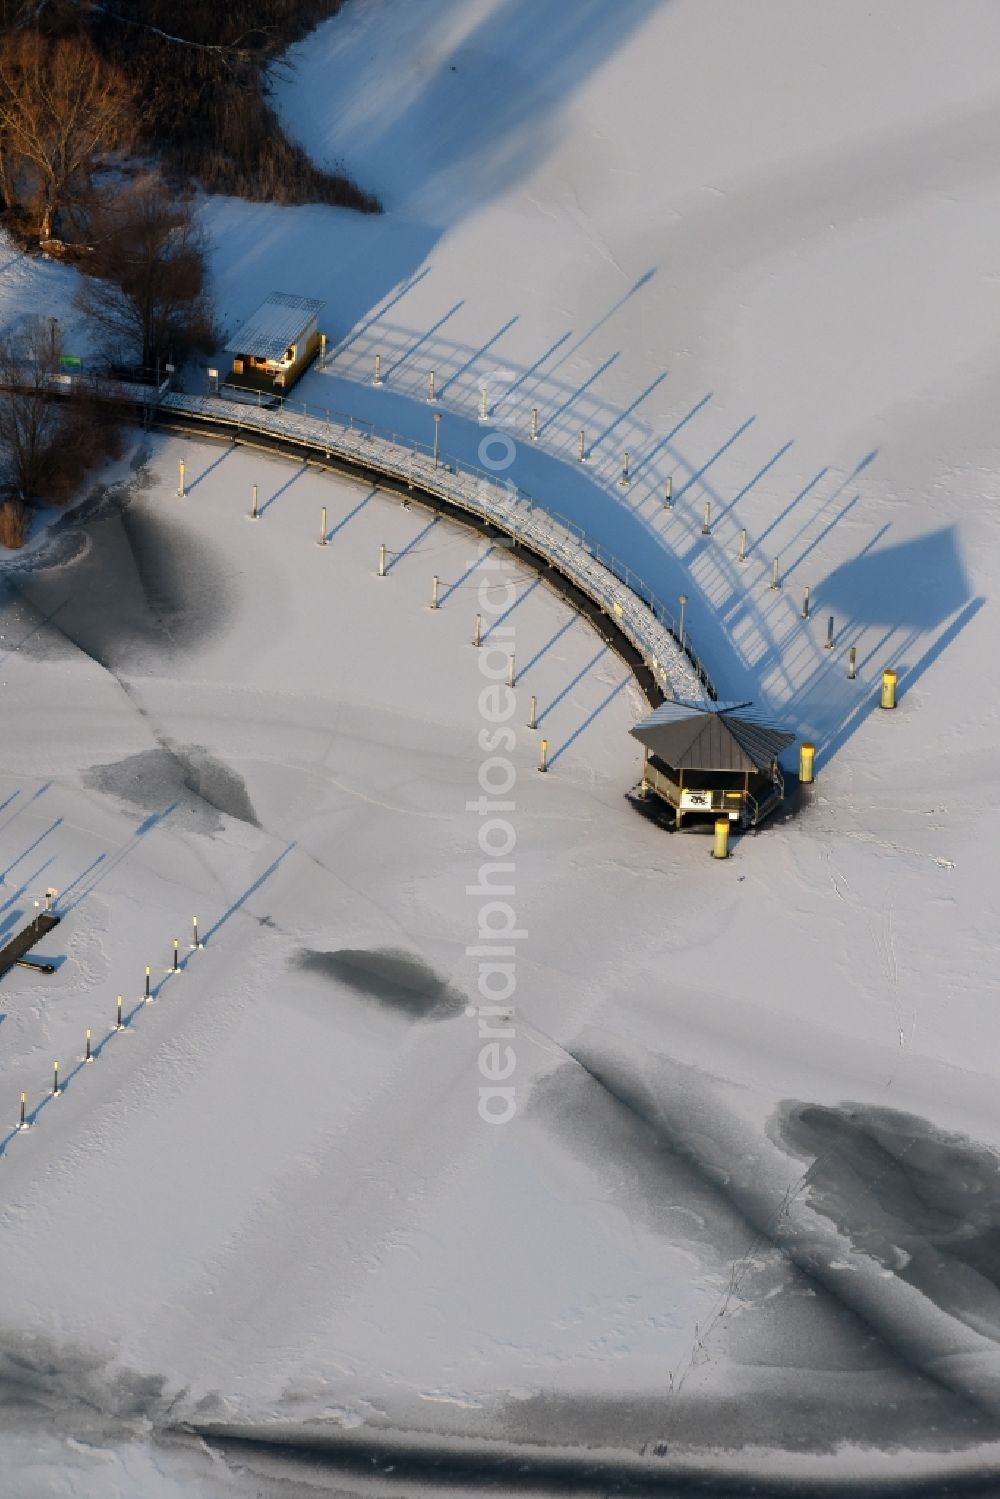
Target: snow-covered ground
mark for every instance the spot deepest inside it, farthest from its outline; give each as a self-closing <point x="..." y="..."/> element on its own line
<point x="743" y="1220"/>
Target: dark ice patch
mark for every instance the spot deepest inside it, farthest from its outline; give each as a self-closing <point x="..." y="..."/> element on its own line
<point x="800" y="1413"/>
<point x="394" y="978"/>
<point x="121" y="583"/>
<point x="36" y="1371"/>
<point x="677" y="1122"/>
<point x="922" y="1201"/>
<point x="185" y="774"/>
<point x="215" y="783"/>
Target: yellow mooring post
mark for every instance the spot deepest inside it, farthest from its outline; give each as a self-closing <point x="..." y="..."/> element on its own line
<point x="807" y="758"/>
<point x="721" y="848"/>
<point x="888" y="690"/>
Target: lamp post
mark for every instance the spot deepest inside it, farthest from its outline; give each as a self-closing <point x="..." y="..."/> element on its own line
<point x="437" y="437"/>
<point x="683" y="604"/>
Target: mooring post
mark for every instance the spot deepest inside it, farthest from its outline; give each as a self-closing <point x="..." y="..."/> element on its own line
<point x="668" y="493"/>
<point x="377" y="377"/>
<point x="852" y="663"/>
<point x="381" y="559"/>
<point x="254" y="512"/>
<point x="720" y="847"/>
<point x="322" y="527"/>
<point x="807" y="759"/>
<point x="623" y="481"/>
<point x="582" y="454"/>
<point x="775" y="575"/>
<point x="543" y="754"/>
<point x="430" y="386"/>
<point x="434" y="591"/>
<point x="706" y="524"/>
<point x="888" y="698"/>
<point x="533" y="714"/>
<point x="118" y="1014"/>
<point x="477" y="630"/>
<point x="742" y="555"/>
<point x="510" y="670"/>
<point x="180" y="486"/>
<point x="805" y="602"/>
<point x="828" y="645"/>
<point x="87" y="1057"/>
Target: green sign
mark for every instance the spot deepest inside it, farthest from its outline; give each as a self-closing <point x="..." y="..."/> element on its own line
<point x="70" y="362"/>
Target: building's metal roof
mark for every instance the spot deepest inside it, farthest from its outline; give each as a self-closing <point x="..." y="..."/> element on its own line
<point x="276" y="324"/>
<point x="712" y="736"/>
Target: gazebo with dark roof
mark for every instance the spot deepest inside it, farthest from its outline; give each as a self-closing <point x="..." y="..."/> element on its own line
<point x="710" y="759"/>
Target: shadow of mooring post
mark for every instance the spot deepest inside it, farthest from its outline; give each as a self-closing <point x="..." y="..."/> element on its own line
<point x="351" y="514"/>
<point x="30" y="883"/>
<point x="478" y="354"/>
<point x="574" y="395"/>
<point x="112" y="861"/>
<point x="699" y="473"/>
<point x="423" y="338"/>
<point x="909" y="677"/>
<point x="385" y="307"/>
<point x="410" y="545"/>
<point x="67" y="889"/>
<point x="742" y="494"/>
<point x="533" y="369"/>
<point x="193" y="484"/>
<point x="283" y="488"/>
<point x="571" y="684"/>
<point x="569" y="623"/>
<point x="758" y="541"/>
<point x="623" y="416"/>
<point x="466" y="575"/>
<point x="31" y="847"/>
<point x="510" y="608"/>
<point x="588" y="720"/>
<point x="250" y="890"/>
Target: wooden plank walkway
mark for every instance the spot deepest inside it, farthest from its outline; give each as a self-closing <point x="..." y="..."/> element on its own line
<point x="26" y="939"/>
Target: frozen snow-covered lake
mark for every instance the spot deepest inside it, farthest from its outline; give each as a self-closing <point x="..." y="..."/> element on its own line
<point x="742" y="1221"/>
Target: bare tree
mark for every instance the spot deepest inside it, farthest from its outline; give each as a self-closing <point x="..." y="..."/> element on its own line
<point x="50" y="434"/>
<point x="61" y="107"/>
<point x="146" y="289"/>
<point x="31" y="416"/>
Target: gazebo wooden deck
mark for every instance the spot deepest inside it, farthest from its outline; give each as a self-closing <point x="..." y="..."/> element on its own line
<point x="709" y="759"/>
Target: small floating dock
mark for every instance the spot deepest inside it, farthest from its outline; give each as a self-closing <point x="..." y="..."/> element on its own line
<point x="17" y="948"/>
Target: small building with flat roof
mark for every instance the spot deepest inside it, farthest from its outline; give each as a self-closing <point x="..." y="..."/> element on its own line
<point x="275" y="346"/>
<point x="710" y="759"/>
